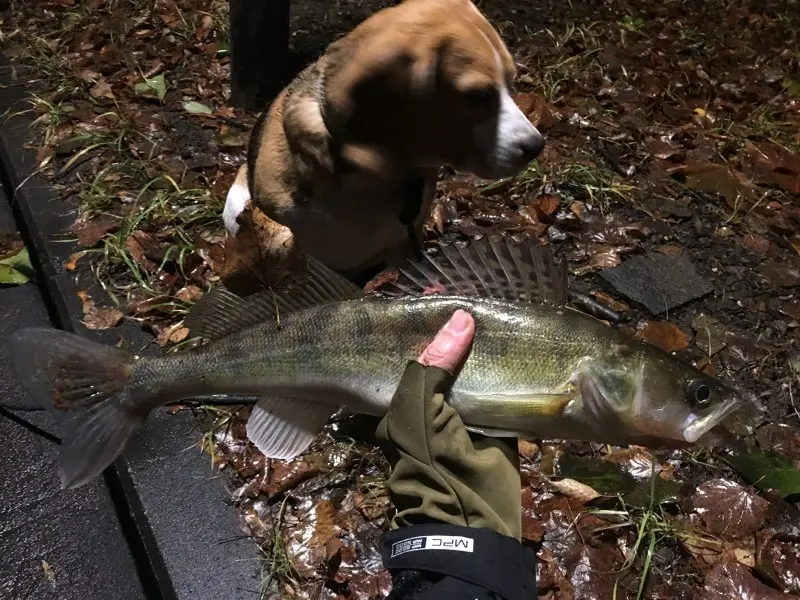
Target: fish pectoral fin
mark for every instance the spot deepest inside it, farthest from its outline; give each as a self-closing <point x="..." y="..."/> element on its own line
<point x="282" y="428"/>
<point x="491" y="432"/>
<point x="531" y="404"/>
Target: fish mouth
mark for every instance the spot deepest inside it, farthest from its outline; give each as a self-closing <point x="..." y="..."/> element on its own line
<point x="700" y="426"/>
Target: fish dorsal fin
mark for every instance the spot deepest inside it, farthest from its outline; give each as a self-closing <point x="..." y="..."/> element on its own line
<point x="502" y="269"/>
<point x="221" y="312"/>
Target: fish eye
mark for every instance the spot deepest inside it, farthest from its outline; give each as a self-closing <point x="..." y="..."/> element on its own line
<point x="698" y="392"/>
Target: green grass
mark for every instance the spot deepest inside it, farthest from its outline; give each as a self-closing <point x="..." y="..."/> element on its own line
<point x="572" y="181"/>
<point x="276" y="566"/>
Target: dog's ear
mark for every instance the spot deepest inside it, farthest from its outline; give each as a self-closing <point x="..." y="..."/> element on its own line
<point x="389" y="68"/>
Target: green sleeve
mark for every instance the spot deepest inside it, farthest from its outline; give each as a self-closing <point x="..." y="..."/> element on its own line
<point x="441" y="472"/>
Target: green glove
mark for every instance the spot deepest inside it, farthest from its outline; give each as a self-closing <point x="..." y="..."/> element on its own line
<point x="440" y="471"/>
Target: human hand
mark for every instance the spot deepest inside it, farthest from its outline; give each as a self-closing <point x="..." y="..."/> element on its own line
<point x="441" y="472"/>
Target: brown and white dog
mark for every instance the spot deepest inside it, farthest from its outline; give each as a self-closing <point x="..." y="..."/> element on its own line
<point x="347" y="155"/>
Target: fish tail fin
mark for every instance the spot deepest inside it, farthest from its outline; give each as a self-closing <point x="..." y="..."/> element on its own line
<point x="88" y="386"/>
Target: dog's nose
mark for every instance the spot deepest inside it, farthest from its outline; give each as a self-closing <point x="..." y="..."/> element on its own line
<point x="532" y="146"/>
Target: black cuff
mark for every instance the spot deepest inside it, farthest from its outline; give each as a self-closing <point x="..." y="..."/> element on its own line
<point x="495" y="562"/>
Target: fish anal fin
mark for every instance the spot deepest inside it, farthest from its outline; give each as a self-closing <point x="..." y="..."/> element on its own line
<point x="502" y="269"/>
<point x="221" y="312"/>
<point x="283" y="428"/>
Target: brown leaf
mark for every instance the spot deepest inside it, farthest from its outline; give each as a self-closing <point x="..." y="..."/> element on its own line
<point x="101" y="89"/>
<point x="612" y="303"/>
<point x="91" y="231"/>
<point x="778" y="559"/>
<point x="601" y="256"/>
<point x="781" y="273"/>
<point x="575" y="490"/>
<point x="731" y="580"/>
<point x="174" y="334"/>
<point x="777" y="164"/>
<point x="263" y="254"/>
<point x="325" y="526"/>
<point x="780" y="438"/>
<point x="134" y="245"/>
<point x="667" y="336"/>
<point x="671" y="250"/>
<point x="538" y="110"/>
<point x="664" y="150"/>
<point x="527" y="449"/>
<point x="711" y="335"/>
<point x="547" y="204"/>
<point x="728" y="508"/>
<point x="190" y="293"/>
<point x="72" y="262"/>
<point x="757" y="243"/>
<point x="99" y="318"/>
<point x="716" y="179"/>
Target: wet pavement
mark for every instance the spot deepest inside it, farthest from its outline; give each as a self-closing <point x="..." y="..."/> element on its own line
<point x="53" y="544"/>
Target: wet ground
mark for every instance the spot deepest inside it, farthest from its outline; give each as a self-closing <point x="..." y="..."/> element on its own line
<point x="672" y="133"/>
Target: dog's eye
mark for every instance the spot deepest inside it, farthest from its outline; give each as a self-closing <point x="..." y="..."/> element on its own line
<point x="480" y="96"/>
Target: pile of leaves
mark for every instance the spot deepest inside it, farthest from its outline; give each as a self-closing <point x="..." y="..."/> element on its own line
<point x="673" y="131"/>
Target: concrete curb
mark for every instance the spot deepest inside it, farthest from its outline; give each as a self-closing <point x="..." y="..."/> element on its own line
<point x="179" y="520"/>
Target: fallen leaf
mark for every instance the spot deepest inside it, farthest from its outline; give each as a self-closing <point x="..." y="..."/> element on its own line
<point x="527" y="449"/>
<point x="72" y="261"/>
<point x="708" y="550"/>
<point x="601" y="257"/>
<point x="190" y="293"/>
<point x="757" y="243"/>
<point x="174" y="334"/>
<point x="547" y="204"/>
<point x="16" y="268"/>
<point x="728" y="508"/>
<point x="667" y="336"/>
<point x="196" y="108"/>
<point x="779" y="438"/>
<point x="716" y="179"/>
<point x="777" y="164"/>
<point x="49" y="575"/>
<point x="10" y="276"/>
<point x="134" y="245"/>
<point x="262" y="254"/>
<point x="103" y="318"/>
<point x="538" y="110"/>
<point x="98" y="318"/>
<point x="611" y="302"/>
<point x="153" y="86"/>
<point x="781" y="273"/>
<point x="768" y="470"/>
<point x="91" y="231"/>
<point x="653" y="492"/>
<point x="101" y="89"/>
<point x="603" y="476"/>
<point x="711" y="335"/>
<point x="575" y="490"/>
<point x="636" y="460"/>
<point x="670" y="250"/>
<point x="778" y="559"/>
<point x="731" y="580"/>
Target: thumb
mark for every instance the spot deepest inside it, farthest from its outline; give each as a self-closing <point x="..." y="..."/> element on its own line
<point x="449" y="348"/>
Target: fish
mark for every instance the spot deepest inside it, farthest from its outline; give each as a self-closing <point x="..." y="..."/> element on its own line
<point x="537" y="367"/>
